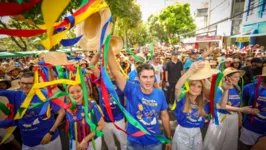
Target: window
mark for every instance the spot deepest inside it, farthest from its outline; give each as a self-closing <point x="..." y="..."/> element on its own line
<point x="252" y="7"/>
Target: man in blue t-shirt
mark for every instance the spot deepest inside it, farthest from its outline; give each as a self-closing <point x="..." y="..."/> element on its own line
<point x="37" y="131"/>
<point x="254" y="128"/>
<point x="145" y="103"/>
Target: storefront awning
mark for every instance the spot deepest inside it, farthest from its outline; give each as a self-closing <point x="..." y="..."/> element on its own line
<point x="247" y="35"/>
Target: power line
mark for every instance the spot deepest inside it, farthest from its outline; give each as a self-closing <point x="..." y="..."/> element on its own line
<point x="223" y="20"/>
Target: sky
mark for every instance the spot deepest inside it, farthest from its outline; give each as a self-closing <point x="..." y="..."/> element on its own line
<point x="149" y="7"/>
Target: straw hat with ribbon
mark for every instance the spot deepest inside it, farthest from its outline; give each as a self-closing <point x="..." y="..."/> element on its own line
<point x="203" y="73"/>
<point x="231" y="70"/>
<point x="56" y="58"/>
<point x="91" y="29"/>
<point x="14" y="85"/>
<point x="116" y="43"/>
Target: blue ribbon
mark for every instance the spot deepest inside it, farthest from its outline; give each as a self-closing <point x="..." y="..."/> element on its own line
<point x="71" y="20"/>
<point x="7" y="123"/>
<point x="44" y="109"/>
<point x="103" y="31"/>
<point x="70" y="42"/>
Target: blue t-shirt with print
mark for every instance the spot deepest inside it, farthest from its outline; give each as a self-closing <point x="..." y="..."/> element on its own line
<point x="192" y="119"/>
<point x="133" y="77"/>
<point x="117" y="113"/>
<point x="259" y="123"/>
<point x="146" y="109"/>
<point x="78" y="117"/>
<point x="190" y="61"/>
<point x="233" y="99"/>
<point x="32" y="126"/>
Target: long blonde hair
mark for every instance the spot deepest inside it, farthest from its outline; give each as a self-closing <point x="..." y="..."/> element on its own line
<point x="200" y="100"/>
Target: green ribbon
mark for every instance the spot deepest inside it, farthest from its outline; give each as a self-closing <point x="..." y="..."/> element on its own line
<point x="86" y="107"/>
<point x="60" y="73"/>
<point x="151" y="52"/>
<point x="4" y="109"/>
<point x="83" y="3"/>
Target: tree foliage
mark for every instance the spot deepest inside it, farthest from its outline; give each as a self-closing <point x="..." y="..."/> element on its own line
<point x="172" y="21"/>
<point x="155" y="29"/>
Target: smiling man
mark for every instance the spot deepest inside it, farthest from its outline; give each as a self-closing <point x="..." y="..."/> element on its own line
<point x="37" y="132"/>
<point x="145" y="103"/>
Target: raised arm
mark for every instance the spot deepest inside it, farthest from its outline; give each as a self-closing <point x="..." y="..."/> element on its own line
<point x="114" y="68"/>
<point x="93" y="62"/>
<point x="194" y="67"/>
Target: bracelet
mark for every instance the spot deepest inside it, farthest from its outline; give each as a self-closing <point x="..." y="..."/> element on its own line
<point x="51" y="132"/>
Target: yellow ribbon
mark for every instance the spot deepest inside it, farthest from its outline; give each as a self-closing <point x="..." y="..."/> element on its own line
<point x="36" y="91"/>
<point x="51" y="10"/>
<point x="121" y="69"/>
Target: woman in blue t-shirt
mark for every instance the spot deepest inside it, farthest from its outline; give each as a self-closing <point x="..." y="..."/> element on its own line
<point x="192" y="108"/>
<point x="225" y="135"/>
<point x="76" y="122"/>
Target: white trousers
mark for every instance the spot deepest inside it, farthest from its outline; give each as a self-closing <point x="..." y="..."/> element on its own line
<point x="109" y="131"/>
<point x="224" y="136"/>
<point x="187" y="139"/>
<point x="98" y="144"/>
<point x="53" y="145"/>
<point x="248" y="137"/>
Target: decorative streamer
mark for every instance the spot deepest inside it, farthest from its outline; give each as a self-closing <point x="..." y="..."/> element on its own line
<point x="212" y="103"/>
<point x="51" y="11"/>
<point x="256" y="96"/>
<point x="218" y="80"/>
<point x="70" y="42"/>
<point x="22" y="33"/>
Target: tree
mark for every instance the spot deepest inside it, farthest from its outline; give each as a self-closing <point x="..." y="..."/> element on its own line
<point x="125" y="24"/>
<point x="155" y="29"/>
<point x="139" y="35"/>
<point x="176" y="19"/>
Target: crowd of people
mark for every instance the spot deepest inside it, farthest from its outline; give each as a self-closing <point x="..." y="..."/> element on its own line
<point x="149" y="84"/>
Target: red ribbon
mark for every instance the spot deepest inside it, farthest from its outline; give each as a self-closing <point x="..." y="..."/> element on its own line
<point x="22" y="33"/>
<point x="214" y="77"/>
<point x="11" y="109"/>
<point x="256" y="97"/>
<point x="14" y="8"/>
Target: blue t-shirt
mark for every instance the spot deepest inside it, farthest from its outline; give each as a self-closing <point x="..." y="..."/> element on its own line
<point x="133" y="77"/>
<point x="32" y="126"/>
<point x="259" y="123"/>
<point x="146" y="109"/>
<point x="78" y="116"/>
<point x="117" y="113"/>
<point x="192" y="119"/>
<point x="190" y="61"/>
<point x="233" y="99"/>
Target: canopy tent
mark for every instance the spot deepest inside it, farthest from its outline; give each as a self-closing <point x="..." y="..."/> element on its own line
<point x="30" y="53"/>
<point x="6" y="55"/>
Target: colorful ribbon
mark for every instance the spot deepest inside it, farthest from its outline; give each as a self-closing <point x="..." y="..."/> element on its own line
<point x="14" y="8"/>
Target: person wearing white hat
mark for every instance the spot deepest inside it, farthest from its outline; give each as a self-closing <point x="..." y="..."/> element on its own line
<point x="225" y="135"/>
<point x="192" y="107"/>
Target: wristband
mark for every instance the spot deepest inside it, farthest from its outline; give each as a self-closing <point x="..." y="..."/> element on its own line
<point x="51" y="132"/>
